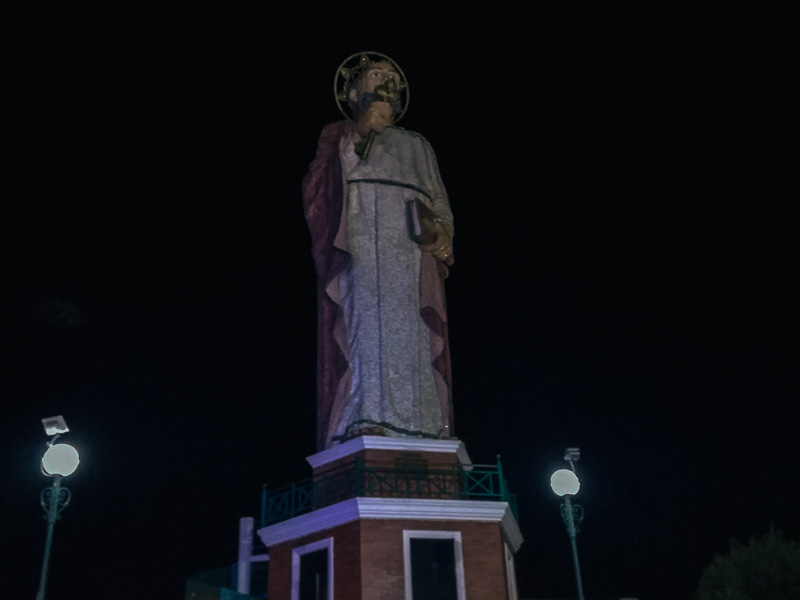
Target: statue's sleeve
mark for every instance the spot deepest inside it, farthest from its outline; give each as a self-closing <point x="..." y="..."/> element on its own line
<point x="439" y="200"/>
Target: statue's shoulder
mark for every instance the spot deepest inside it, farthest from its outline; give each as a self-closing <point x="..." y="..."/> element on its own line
<point x="410" y="136"/>
<point x="330" y="135"/>
<point x="337" y="128"/>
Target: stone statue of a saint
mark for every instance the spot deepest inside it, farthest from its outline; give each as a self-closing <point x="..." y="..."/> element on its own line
<point x="381" y="231"/>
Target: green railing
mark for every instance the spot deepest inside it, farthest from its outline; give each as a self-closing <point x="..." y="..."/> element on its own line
<point x="457" y="482"/>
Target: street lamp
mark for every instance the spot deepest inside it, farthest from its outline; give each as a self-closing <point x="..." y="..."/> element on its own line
<point x="565" y="483"/>
<point x="59" y="461"/>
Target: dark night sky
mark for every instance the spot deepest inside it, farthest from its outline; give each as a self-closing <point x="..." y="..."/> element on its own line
<point x="625" y="281"/>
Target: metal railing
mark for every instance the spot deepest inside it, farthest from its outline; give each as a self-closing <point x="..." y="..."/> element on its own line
<point x="409" y="480"/>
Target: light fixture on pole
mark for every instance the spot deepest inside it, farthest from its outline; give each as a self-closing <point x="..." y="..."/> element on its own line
<point x="565" y="483"/>
<point x="59" y="461"/>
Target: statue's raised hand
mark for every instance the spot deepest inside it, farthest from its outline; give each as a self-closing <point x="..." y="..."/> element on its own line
<point x="377" y="117"/>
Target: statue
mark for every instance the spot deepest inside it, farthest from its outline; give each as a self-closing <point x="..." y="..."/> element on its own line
<point x="381" y="231"/>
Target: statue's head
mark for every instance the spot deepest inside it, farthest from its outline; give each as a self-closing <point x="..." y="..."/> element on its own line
<point x="369" y="76"/>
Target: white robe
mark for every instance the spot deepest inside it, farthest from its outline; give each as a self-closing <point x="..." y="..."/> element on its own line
<point x="393" y="383"/>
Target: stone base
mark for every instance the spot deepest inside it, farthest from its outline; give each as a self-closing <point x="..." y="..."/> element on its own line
<point x="370" y="556"/>
<point x="368" y="538"/>
<point x="382" y="450"/>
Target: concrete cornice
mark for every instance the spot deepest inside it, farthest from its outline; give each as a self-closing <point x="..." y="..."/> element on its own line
<point x="395" y="508"/>
<point x="373" y="442"/>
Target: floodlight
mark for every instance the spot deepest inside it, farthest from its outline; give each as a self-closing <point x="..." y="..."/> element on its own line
<point x="55" y="425"/>
<point x="60" y="459"/>
<point x="565" y="482"/>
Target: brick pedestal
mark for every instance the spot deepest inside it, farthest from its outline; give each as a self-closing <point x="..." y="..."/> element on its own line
<point x="367" y="536"/>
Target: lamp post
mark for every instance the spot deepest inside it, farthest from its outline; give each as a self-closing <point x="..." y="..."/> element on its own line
<point x="59" y="461"/>
<point x="565" y="483"/>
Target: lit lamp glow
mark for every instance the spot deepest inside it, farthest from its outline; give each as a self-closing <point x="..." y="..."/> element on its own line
<point x="565" y="482"/>
<point x="60" y="459"/>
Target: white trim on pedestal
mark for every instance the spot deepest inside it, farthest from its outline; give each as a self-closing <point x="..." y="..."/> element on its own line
<point x="297" y="553"/>
<point x="441" y="535"/>
<point x="395" y="508"/>
<point x="510" y="572"/>
<point x="374" y="442"/>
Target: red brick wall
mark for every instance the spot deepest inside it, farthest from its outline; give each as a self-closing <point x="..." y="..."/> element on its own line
<point x="484" y="568"/>
<point x="280" y="572"/>
<point x="373" y="457"/>
<point x="383" y="569"/>
<point x="368" y="559"/>
<point x="346" y="563"/>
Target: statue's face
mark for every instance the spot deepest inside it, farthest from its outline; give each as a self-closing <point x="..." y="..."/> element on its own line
<point x="376" y="75"/>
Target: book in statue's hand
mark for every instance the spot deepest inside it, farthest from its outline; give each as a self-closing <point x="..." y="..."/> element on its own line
<point x="421" y="222"/>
